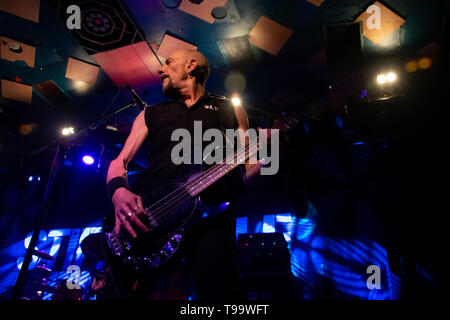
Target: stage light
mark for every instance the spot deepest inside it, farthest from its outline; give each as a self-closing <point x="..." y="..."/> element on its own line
<point x="386" y="78"/>
<point x="391" y="77"/>
<point x="81" y="86"/>
<point x="236" y="101"/>
<point x="425" y="63"/>
<point x="411" y="66"/>
<point x="88" y="160"/>
<point x="30" y="178"/>
<point x="381" y="78"/>
<point x="67" y="131"/>
<point x="112" y="128"/>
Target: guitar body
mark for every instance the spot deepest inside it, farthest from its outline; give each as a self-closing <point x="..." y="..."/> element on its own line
<point x="129" y="258"/>
<point x="176" y="213"/>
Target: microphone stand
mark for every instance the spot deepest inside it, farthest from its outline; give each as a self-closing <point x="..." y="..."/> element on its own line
<point x="20" y="284"/>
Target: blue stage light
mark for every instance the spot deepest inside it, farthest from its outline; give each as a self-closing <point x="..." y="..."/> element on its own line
<point x="88" y="160"/>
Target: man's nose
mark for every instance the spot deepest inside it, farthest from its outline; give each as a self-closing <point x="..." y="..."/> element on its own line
<point x="161" y="70"/>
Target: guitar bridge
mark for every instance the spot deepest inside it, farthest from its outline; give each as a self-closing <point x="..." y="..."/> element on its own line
<point x="117" y="245"/>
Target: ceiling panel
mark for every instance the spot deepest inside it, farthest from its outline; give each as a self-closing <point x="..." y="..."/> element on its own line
<point x="16" y="91"/>
<point x="26" y="9"/>
<point x="13" y="50"/>
<point x="269" y="35"/>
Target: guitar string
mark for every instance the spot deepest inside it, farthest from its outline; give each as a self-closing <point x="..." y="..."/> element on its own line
<point x="194" y="181"/>
<point x="210" y="171"/>
<point x="185" y="195"/>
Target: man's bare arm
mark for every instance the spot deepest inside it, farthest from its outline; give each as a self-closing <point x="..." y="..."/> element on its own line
<point x="139" y="132"/>
<point x="251" y="170"/>
<point x="127" y="204"/>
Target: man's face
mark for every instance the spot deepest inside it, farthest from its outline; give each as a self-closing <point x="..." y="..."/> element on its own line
<point x="173" y="73"/>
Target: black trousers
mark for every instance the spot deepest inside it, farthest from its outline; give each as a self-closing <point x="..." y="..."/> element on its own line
<point x="206" y="267"/>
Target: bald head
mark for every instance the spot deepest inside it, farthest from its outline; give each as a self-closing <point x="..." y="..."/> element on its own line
<point x="196" y="60"/>
<point x="180" y="68"/>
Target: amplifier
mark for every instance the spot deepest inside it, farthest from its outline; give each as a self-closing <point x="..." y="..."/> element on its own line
<point x="265" y="265"/>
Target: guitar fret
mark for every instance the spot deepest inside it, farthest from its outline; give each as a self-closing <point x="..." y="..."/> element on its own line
<point x="219" y="170"/>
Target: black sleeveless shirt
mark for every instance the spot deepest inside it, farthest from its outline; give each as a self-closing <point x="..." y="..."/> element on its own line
<point x="162" y="119"/>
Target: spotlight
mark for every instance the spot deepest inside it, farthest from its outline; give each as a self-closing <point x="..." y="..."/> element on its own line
<point x="236" y="101"/>
<point x="385" y="78"/>
<point x="391" y="77"/>
<point x="425" y="63"/>
<point x="88" y="160"/>
<point x="112" y="128"/>
<point x="35" y="179"/>
<point x="381" y="78"/>
<point x="412" y="66"/>
<point x="67" y="131"/>
<point x="81" y="86"/>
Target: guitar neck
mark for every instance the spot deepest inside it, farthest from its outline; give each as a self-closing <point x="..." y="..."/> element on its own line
<point x="218" y="171"/>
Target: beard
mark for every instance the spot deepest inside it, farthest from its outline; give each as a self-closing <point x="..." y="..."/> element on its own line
<point x="170" y="91"/>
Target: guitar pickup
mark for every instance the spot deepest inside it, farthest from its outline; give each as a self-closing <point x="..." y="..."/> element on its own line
<point x="151" y="220"/>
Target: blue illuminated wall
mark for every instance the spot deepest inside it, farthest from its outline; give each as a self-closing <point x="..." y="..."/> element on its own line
<point x="316" y="259"/>
<point x="63" y="244"/>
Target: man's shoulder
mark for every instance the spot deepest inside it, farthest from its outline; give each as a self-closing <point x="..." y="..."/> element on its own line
<point x="219" y="100"/>
<point x="159" y="105"/>
<point x="217" y="97"/>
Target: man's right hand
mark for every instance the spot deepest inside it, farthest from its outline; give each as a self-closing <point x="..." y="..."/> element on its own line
<point x="128" y="206"/>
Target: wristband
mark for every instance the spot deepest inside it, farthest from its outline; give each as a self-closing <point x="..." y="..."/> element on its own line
<point x="116" y="183"/>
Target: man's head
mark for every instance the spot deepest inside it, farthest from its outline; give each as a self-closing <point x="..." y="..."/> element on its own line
<point x="180" y="68"/>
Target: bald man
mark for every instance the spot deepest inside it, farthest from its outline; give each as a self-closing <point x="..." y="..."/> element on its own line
<point x="211" y="253"/>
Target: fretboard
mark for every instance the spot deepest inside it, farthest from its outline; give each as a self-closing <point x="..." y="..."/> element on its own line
<point x="217" y="171"/>
<point x="220" y="170"/>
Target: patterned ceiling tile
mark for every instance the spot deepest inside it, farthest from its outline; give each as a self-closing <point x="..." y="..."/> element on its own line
<point x="170" y="44"/>
<point x="379" y="22"/>
<point x="12" y="50"/>
<point x="202" y="10"/>
<point x="105" y="25"/>
<point x="269" y="35"/>
<point x="27" y="9"/>
<point x="16" y="91"/>
<point x="82" y="71"/>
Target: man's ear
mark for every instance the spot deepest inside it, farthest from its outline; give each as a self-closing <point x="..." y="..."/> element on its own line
<point x="192" y="65"/>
